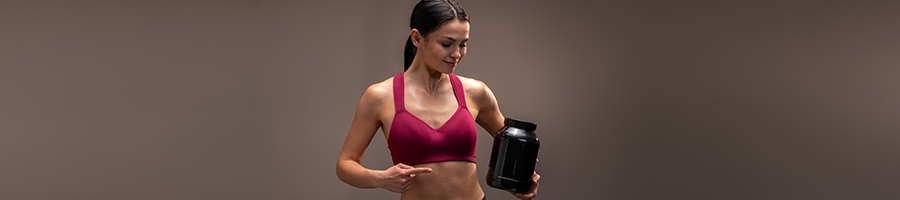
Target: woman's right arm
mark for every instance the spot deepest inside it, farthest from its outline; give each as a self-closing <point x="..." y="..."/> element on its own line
<point x="365" y="124"/>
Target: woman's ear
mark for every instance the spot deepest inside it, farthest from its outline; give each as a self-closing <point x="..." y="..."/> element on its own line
<point x="416" y="37"/>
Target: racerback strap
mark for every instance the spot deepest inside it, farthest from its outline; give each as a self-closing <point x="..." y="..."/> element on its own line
<point x="458" y="91"/>
<point x="398" y="94"/>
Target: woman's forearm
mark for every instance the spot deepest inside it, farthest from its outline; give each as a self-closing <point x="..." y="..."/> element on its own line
<point x="351" y="172"/>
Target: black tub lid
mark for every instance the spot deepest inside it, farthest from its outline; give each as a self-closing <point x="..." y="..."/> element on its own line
<point x="528" y="126"/>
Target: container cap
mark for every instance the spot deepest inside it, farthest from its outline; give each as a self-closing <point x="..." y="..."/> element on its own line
<point x="528" y="126"/>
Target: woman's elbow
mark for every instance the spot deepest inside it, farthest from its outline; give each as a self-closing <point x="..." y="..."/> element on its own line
<point x="339" y="172"/>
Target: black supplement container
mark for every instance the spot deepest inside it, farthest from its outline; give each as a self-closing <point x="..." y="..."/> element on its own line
<point x="513" y="156"/>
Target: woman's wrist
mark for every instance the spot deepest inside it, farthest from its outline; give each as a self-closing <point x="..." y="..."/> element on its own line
<point x="373" y="175"/>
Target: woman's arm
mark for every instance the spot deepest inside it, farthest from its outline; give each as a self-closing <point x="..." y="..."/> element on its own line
<point x="397" y="178"/>
<point x="365" y="125"/>
<point x="489" y="116"/>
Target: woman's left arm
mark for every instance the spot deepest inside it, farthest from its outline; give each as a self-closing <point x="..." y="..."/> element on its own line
<point x="490" y="118"/>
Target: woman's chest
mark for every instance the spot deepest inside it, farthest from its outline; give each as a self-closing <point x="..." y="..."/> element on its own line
<point x="431" y="111"/>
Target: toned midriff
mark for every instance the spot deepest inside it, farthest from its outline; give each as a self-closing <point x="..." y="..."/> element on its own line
<point x="451" y="180"/>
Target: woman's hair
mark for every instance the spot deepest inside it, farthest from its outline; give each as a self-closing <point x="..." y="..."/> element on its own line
<point x="427" y="16"/>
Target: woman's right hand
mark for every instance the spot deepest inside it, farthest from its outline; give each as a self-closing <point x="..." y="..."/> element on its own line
<point x="398" y="178"/>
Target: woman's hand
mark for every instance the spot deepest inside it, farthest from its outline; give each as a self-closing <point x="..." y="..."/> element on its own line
<point x="532" y="192"/>
<point x="398" y="178"/>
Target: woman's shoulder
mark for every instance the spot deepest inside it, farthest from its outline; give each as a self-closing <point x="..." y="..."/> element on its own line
<point x="379" y="92"/>
<point x="474" y="88"/>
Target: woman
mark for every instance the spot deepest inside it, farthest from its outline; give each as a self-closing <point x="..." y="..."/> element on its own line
<point x="427" y="114"/>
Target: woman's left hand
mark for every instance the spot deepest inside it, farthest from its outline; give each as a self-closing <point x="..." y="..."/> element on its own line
<point x="532" y="192"/>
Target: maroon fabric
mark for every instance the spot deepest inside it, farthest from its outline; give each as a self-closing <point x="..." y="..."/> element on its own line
<point x="413" y="142"/>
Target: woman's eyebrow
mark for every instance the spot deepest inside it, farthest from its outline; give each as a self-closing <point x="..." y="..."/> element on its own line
<point x="454" y="40"/>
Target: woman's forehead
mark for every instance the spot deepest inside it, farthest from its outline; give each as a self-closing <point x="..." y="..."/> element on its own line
<point x="455" y="30"/>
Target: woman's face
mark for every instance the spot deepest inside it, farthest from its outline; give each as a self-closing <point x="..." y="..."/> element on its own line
<point x="443" y="49"/>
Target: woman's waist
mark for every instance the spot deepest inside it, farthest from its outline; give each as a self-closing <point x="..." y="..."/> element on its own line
<point x="447" y="180"/>
<point x="449" y="172"/>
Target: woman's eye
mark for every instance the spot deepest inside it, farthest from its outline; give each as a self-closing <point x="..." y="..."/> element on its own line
<point x="462" y="45"/>
<point x="445" y="45"/>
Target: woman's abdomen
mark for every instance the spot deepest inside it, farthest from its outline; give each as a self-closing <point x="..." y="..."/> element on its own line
<point x="447" y="180"/>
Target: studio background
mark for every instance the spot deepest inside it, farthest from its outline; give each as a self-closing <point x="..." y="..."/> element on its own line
<point x="633" y="100"/>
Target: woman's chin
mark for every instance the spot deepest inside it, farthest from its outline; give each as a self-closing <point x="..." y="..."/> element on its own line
<point x="446" y="69"/>
<point x="449" y="71"/>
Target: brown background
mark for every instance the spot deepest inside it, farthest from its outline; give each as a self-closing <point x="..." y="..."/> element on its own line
<point x="639" y="100"/>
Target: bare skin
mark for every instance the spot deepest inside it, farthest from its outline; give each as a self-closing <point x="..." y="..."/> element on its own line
<point x="429" y="96"/>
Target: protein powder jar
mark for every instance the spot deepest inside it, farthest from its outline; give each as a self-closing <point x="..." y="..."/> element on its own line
<point x="513" y="156"/>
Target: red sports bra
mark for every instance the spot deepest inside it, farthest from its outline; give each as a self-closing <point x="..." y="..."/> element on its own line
<point x="412" y="141"/>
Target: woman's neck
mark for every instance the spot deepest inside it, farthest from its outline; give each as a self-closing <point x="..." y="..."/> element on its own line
<point x="423" y="76"/>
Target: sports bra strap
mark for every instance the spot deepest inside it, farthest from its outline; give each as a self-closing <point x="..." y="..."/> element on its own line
<point x="398" y="94"/>
<point x="458" y="90"/>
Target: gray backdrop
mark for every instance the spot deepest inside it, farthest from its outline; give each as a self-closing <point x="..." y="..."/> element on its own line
<point x="247" y="99"/>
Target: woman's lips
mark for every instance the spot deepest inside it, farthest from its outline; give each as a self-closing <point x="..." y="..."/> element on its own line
<point x="451" y="64"/>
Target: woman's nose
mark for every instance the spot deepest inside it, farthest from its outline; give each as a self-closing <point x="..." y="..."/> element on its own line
<point x="455" y="54"/>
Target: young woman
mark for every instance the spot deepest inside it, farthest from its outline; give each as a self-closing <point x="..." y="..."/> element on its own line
<point x="427" y="114"/>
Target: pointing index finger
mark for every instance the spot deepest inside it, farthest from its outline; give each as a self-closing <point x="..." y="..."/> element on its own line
<point x="418" y="170"/>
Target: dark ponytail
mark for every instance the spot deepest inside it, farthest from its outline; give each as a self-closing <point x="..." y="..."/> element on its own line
<point x="409" y="53"/>
<point x="427" y="16"/>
